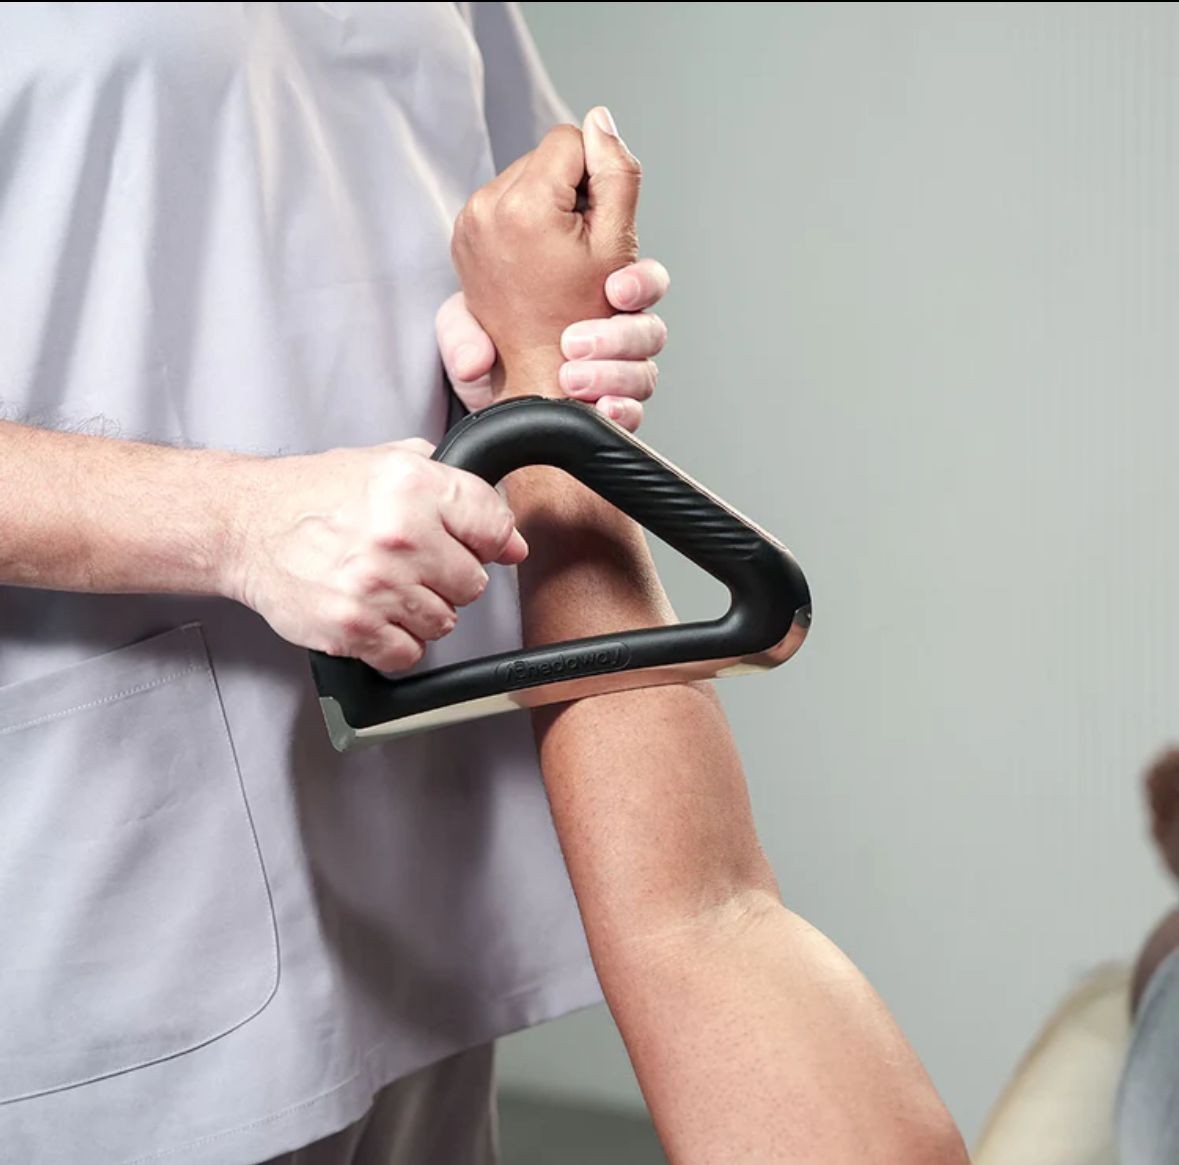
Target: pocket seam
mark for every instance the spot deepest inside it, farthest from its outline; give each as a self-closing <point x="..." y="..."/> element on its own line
<point x="111" y="699"/>
<point x="205" y="664"/>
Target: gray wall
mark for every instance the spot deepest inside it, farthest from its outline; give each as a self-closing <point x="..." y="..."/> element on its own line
<point x="923" y="328"/>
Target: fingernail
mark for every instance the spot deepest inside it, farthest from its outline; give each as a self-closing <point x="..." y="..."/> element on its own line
<point x="626" y="289"/>
<point x="466" y="357"/>
<point x="604" y="121"/>
<point x="577" y="377"/>
<point x="579" y="345"/>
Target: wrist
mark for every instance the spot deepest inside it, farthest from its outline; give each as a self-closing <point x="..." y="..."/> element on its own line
<point x="530" y="372"/>
<point x="233" y="490"/>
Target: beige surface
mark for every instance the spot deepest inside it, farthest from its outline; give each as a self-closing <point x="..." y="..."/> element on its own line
<point x="1058" y="1107"/>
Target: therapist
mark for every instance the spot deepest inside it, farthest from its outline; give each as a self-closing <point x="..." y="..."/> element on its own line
<point x="224" y="234"/>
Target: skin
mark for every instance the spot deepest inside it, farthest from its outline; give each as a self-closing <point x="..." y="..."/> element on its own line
<point x="753" y="1037"/>
<point x="607" y="362"/>
<point x="362" y="552"/>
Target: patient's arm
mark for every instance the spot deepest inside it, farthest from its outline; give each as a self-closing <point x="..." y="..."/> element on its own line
<point x="754" y="1039"/>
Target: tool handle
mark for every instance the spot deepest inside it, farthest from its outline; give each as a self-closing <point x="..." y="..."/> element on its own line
<point x="766" y="585"/>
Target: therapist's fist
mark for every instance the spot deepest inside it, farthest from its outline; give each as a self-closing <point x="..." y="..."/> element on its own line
<point x="534" y="258"/>
<point x="365" y="552"/>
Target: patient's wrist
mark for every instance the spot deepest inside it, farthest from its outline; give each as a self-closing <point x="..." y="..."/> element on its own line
<point x="532" y="372"/>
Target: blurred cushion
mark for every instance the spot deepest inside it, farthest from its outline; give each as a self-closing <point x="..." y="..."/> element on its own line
<point x="1058" y="1107"/>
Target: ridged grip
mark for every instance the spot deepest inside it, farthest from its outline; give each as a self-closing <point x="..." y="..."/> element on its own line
<point x="659" y="498"/>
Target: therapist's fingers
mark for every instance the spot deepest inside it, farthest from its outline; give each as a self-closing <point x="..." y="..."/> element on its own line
<point x="620" y="337"/>
<point x="427" y="616"/>
<point x="614" y="177"/>
<point x="638" y="285"/>
<point x="388" y="648"/>
<point x="467" y="350"/>
<point x="591" y="380"/>
<point x="627" y="413"/>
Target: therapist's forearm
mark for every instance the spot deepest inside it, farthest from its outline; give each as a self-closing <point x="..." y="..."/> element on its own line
<point x="753" y="1037"/>
<point x="358" y="551"/>
<point x="85" y="513"/>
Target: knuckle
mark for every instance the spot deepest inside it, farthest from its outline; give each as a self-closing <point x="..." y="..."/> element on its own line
<point x="651" y="378"/>
<point x="353" y="622"/>
<point x="440" y="624"/>
<point x="630" y="165"/>
<point x="567" y="134"/>
<point x="416" y="446"/>
<point x="515" y="209"/>
<point x="405" y="469"/>
<point x="472" y="587"/>
<point x="394" y="658"/>
<point x="580" y="376"/>
<point x="657" y="332"/>
<point x="365" y="582"/>
<point x="626" y="168"/>
<point x="450" y="490"/>
<point x="464" y="228"/>
<point x="503" y="527"/>
<point x="620" y="380"/>
<point x="333" y="643"/>
<point x="493" y="532"/>
<point x="394" y="534"/>
<point x="459" y="248"/>
<point x="476" y="209"/>
<point x="470" y="222"/>
<point x="406" y="472"/>
<point x="406" y="652"/>
<point x="620" y="244"/>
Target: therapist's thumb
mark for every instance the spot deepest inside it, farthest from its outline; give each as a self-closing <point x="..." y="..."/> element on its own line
<point x="614" y="176"/>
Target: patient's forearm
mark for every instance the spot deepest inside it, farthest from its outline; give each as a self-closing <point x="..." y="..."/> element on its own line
<point x="753" y="1037"/>
<point x="646" y="787"/>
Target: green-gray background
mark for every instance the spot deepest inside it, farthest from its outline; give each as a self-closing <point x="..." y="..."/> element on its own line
<point x="923" y="328"/>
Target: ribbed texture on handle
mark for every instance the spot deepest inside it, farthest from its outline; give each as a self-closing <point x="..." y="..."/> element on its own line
<point x="660" y="499"/>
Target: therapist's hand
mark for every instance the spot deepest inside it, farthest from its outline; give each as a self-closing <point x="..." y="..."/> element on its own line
<point x="608" y="363"/>
<point x="363" y="552"/>
<point x="535" y="262"/>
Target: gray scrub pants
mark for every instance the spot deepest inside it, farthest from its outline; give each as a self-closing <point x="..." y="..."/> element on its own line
<point x="1148" y="1100"/>
<point x="441" y="1115"/>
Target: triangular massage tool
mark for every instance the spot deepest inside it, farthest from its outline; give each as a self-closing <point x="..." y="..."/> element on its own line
<point x="765" y="625"/>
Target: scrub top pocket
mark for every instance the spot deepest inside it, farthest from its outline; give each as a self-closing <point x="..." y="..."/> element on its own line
<point x="135" y="917"/>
